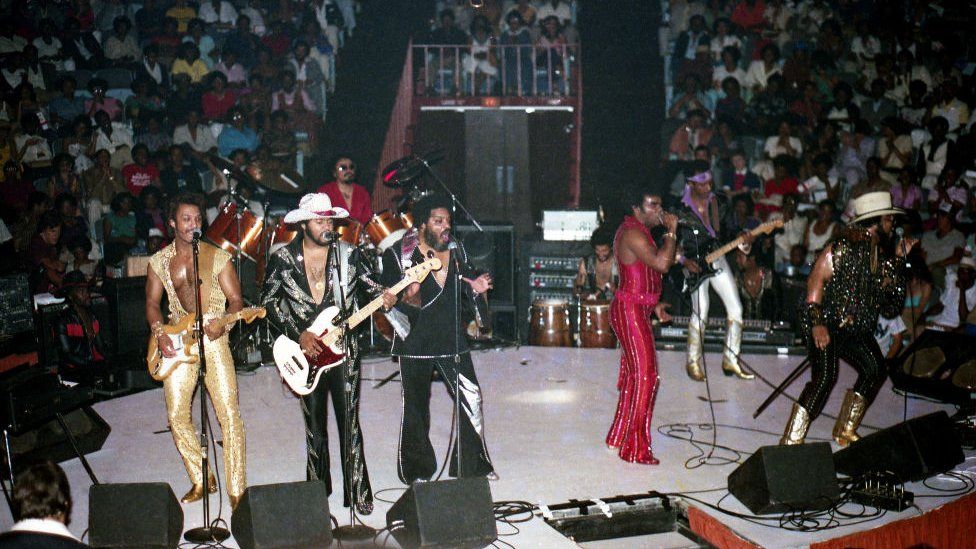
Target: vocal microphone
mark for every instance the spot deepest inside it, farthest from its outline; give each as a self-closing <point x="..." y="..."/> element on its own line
<point x="196" y="235"/>
<point x="329" y="236"/>
<point x="900" y="240"/>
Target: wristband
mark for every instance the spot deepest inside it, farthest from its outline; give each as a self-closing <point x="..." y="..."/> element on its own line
<point x="815" y="313"/>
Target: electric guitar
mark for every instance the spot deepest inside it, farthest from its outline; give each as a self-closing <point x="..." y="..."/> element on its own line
<point x="302" y="372"/>
<point x="694" y="280"/>
<point x="185" y="342"/>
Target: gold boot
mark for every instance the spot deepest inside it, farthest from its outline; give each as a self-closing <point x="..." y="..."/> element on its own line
<point x="234" y="502"/>
<point x="694" y="366"/>
<point x="195" y="494"/>
<point x="196" y="491"/>
<point x="849" y="419"/>
<point x="730" y="358"/>
<point x="796" y="428"/>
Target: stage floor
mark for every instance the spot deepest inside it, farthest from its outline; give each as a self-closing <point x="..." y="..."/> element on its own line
<point x="547" y="412"/>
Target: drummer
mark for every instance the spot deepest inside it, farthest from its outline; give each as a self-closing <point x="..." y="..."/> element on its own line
<point x="597" y="276"/>
<point x="344" y="191"/>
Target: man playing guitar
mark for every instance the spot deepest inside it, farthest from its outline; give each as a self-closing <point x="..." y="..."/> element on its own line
<point x="301" y="281"/>
<point x="171" y="269"/>
<point x="699" y="229"/>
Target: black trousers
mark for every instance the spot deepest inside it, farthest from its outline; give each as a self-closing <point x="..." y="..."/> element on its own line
<point x="861" y="351"/>
<point x="416" y="459"/>
<point x="315" y="409"/>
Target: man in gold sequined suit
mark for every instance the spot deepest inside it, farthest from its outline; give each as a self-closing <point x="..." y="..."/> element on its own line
<point x="171" y="270"/>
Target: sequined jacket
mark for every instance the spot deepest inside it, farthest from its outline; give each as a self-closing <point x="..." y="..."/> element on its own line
<point x="856" y="294"/>
<point x="288" y="298"/>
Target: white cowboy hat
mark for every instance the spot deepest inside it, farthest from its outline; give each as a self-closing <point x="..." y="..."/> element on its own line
<point x="874" y="204"/>
<point x="315" y="206"/>
<point x="968" y="261"/>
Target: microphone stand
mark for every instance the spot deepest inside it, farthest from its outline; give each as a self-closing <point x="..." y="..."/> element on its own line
<point x="352" y="531"/>
<point x="457" y="352"/>
<point x="454" y="199"/>
<point x="206" y="533"/>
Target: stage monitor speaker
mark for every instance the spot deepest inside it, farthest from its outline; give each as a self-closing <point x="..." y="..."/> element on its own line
<point x="777" y="479"/>
<point x="446" y="513"/>
<point x="938" y="365"/>
<point x="127" y="332"/>
<point x="913" y="450"/>
<point x="139" y="515"/>
<point x="494" y="251"/>
<point x="49" y="442"/>
<point x="288" y="515"/>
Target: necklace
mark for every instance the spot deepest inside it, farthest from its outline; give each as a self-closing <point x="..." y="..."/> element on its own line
<point x="318" y="277"/>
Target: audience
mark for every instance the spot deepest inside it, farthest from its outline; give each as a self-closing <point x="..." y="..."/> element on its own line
<point x="41" y="504"/>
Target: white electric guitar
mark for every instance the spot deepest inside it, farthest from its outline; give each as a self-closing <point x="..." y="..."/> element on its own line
<point x="302" y="372"/>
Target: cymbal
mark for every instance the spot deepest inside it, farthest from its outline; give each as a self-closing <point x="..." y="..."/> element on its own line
<point x="286" y="181"/>
<point x="401" y="172"/>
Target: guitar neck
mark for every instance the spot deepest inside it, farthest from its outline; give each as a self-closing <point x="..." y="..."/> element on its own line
<point x="229" y="318"/>
<point x="729" y="246"/>
<point x="366" y="311"/>
<point x="726" y="248"/>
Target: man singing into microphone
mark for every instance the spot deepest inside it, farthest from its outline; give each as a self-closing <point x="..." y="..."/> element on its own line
<point x="171" y="270"/>
<point x="302" y="280"/>
<point x="857" y="276"/>
<point x="434" y="340"/>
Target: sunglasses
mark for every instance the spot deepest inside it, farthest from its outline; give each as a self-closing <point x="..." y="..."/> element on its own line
<point x="345" y="167"/>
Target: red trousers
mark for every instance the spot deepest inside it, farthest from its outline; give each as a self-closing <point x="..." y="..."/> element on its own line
<point x="638" y="381"/>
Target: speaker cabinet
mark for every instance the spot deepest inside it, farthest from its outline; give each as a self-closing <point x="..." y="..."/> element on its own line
<point x="140" y="515"/>
<point x="127" y="331"/>
<point x="913" y="450"/>
<point x="48" y="441"/>
<point x="494" y="251"/>
<point x="447" y="513"/>
<point x="938" y="365"/>
<point x="786" y="478"/>
<point x="288" y="515"/>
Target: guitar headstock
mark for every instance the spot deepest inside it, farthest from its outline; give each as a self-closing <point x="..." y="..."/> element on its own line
<point x="419" y="272"/>
<point x="769" y="226"/>
<point x="248" y="314"/>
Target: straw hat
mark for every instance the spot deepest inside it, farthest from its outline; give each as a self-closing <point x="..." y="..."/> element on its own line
<point x="874" y="204"/>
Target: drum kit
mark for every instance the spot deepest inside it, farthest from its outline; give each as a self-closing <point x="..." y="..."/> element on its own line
<point x="251" y="237"/>
<point x="552" y="323"/>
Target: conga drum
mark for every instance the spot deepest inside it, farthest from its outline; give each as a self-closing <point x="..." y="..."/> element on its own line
<point x="549" y="323"/>
<point x="594" y="325"/>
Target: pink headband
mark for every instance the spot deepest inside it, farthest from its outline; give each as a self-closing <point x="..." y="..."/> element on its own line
<point x="702" y="177"/>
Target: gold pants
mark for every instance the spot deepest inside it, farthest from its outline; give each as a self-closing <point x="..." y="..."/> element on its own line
<point x="221" y="382"/>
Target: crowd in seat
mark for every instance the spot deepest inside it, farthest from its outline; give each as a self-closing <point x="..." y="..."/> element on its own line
<point x="110" y="107"/>
<point x="519" y="48"/>
<point x="802" y="106"/>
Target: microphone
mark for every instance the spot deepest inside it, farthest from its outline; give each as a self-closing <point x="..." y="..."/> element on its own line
<point x="329" y="236"/>
<point x="900" y="239"/>
<point x="452" y="245"/>
<point x="196" y="235"/>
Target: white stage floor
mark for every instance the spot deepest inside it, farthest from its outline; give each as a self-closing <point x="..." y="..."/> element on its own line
<point x="547" y="412"/>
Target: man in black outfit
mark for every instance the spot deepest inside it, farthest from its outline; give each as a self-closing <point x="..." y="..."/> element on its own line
<point x="41" y="504"/>
<point x="434" y="340"/>
<point x="301" y="282"/>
